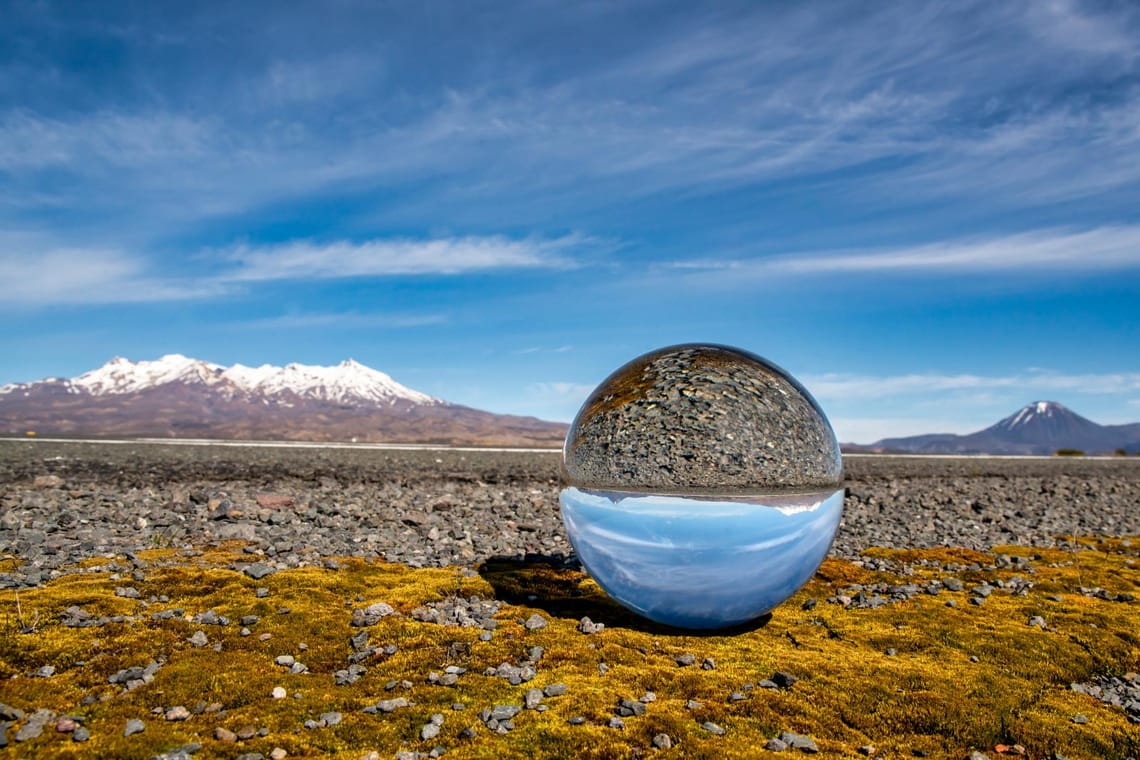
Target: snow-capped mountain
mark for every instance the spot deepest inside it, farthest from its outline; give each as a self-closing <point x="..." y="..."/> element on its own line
<point x="180" y="396"/>
<point x="349" y="382"/>
<point x="1041" y="427"/>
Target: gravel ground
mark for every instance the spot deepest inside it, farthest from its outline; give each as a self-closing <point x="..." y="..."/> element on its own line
<point x="63" y="502"/>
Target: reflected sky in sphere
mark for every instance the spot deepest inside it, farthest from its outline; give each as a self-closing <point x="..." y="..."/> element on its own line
<point x="703" y="485"/>
<point x="695" y="563"/>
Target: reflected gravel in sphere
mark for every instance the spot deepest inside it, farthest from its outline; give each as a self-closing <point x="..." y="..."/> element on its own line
<point x="701" y="418"/>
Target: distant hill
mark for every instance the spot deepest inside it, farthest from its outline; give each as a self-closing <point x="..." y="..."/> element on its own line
<point x="1042" y="427"/>
<point x="180" y="397"/>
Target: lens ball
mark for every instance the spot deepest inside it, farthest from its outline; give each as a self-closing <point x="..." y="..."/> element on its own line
<point x="702" y="486"/>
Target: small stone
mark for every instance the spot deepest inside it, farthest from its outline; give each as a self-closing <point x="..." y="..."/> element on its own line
<point x="535" y="622"/>
<point x="662" y="741"/>
<point x="134" y="726"/>
<point x="869" y="749"/>
<point x="617" y="723"/>
<point x="198" y="639"/>
<point x="975" y="755"/>
<point x="66" y="725"/>
<point x="34" y="726"/>
<point x="245" y="733"/>
<point x="225" y="735"/>
<point x="629" y="708"/>
<point x="390" y="705"/>
<point x="429" y="731"/>
<point x="712" y="728"/>
<point x="576" y="720"/>
<point x="1080" y="718"/>
<point x="589" y="627"/>
<point x="784" y="680"/>
<point x="775" y="745"/>
<point x="505" y="712"/>
<point x="1037" y="622"/>
<point x="554" y="690"/>
<point x="708" y="664"/>
<point x="800" y="742"/>
<point x="178" y="712"/>
<point x="371" y="615"/>
<point x="278" y="753"/>
<point x="279" y="692"/>
<point x="532" y="699"/>
<point x="685" y="660"/>
<point x="693" y="704"/>
<point x="47" y="481"/>
<point x="331" y="718"/>
<point x="80" y="735"/>
<point x="285" y="660"/>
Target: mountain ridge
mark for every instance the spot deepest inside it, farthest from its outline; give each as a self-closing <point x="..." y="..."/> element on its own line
<point x="1040" y="427"/>
<point x="178" y="396"/>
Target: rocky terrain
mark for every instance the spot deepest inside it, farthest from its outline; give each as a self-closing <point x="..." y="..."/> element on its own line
<point x="218" y="601"/>
<point x="63" y="502"/>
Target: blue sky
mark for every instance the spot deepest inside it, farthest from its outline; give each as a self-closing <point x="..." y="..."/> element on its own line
<point x="928" y="212"/>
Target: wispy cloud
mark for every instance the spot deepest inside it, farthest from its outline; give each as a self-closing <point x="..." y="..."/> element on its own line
<point x="36" y="275"/>
<point x="842" y="387"/>
<point x="541" y="349"/>
<point x="40" y="273"/>
<point x="345" y="320"/>
<point x="870" y="429"/>
<point x="968" y="102"/>
<point x="378" y="258"/>
<point x="1031" y="253"/>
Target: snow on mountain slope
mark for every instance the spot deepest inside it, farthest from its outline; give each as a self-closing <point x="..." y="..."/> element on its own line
<point x="123" y="376"/>
<point x="1033" y="413"/>
<point x="349" y="382"/>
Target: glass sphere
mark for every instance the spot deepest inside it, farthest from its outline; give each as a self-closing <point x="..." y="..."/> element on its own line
<point x="703" y="486"/>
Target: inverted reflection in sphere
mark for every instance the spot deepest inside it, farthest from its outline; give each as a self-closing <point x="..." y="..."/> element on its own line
<point x="702" y="486"/>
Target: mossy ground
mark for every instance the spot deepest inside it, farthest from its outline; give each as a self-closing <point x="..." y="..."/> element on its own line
<point x="928" y="696"/>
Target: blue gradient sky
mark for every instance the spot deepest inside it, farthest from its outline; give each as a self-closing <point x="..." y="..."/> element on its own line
<point x="926" y="211"/>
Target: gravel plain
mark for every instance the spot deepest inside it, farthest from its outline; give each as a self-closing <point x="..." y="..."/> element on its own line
<point x="62" y="502"/>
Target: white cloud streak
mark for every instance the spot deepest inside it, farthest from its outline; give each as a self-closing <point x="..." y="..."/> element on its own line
<point x="845" y="387"/>
<point x="379" y="258"/>
<point x="35" y="276"/>
<point x="39" y="274"/>
<point x="346" y="320"/>
<point x="1031" y="253"/>
<point x="1097" y="249"/>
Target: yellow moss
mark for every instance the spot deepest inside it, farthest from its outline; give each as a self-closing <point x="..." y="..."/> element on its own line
<point x="928" y="695"/>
